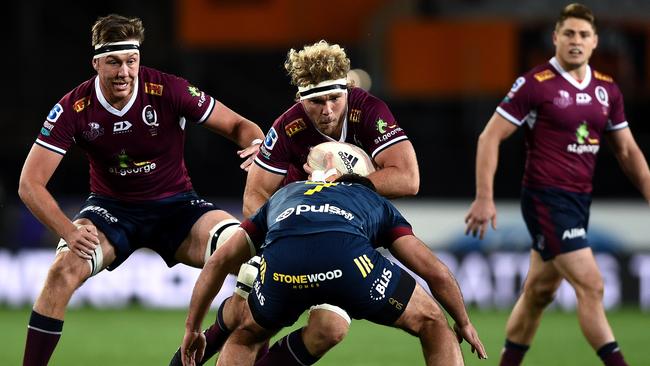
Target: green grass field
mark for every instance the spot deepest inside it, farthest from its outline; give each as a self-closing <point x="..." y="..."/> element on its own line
<point x="136" y="336"/>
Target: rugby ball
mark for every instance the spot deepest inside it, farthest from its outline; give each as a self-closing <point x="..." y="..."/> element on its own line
<point x="347" y="158"/>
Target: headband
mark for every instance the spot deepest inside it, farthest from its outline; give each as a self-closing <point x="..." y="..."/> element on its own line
<point x="323" y="88"/>
<point x="106" y="49"/>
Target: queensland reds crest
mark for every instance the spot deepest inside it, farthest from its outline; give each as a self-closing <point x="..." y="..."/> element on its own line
<point x="150" y="118"/>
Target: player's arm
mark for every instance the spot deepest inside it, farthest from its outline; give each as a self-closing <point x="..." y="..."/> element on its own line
<point x="226" y="259"/>
<point x="237" y="129"/>
<point x="631" y="159"/>
<point x="260" y="186"/>
<point x="397" y="174"/>
<point x="483" y="210"/>
<point x="39" y="166"/>
<point x="415" y="255"/>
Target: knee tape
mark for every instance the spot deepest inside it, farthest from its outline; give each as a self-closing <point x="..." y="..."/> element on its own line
<point x="219" y="234"/>
<point x="335" y="309"/>
<point x="247" y="274"/>
<point x="96" y="262"/>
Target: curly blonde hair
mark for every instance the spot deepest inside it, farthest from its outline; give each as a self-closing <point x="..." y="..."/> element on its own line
<point x="316" y="63"/>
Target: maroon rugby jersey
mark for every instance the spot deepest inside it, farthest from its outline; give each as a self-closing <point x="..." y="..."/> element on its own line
<point x="369" y="124"/>
<point x="565" y="122"/>
<point x="136" y="153"/>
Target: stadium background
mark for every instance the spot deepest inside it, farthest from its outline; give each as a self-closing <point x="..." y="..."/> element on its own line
<point x="442" y="66"/>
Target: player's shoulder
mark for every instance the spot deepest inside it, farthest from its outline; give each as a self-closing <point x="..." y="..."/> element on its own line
<point x="293" y="121"/>
<point x="362" y="99"/>
<point x="161" y="84"/>
<point x="542" y="73"/>
<point x="78" y="98"/>
<point x="600" y="76"/>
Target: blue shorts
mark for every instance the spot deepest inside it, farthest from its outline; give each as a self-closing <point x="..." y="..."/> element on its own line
<point x="557" y="220"/>
<point x="334" y="268"/>
<point x="160" y="225"/>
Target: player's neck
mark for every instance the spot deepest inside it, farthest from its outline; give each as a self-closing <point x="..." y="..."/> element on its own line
<point x="578" y="72"/>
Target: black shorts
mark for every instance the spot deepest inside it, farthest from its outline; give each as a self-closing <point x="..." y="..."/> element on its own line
<point x="557" y="220"/>
<point x="334" y="268"/>
<point x="160" y="225"/>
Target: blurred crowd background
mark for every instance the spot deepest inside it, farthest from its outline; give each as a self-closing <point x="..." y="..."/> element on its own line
<point x="442" y="67"/>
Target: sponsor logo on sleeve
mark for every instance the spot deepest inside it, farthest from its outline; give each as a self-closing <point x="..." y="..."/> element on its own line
<point x="153" y="89"/>
<point x="544" y="75"/>
<point x="81" y="104"/>
<point x="518" y="84"/>
<point x="294" y="127"/>
<point x="355" y="115"/>
<point x="47" y="128"/>
<point x="194" y="91"/>
<point x="386" y="130"/>
<point x="55" y="113"/>
<point x="270" y="139"/>
<point x="603" y="77"/>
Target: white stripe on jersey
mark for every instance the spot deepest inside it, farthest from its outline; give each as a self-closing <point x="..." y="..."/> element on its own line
<point x="382" y="147"/>
<point x="50" y="146"/>
<point x="268" y="167"/>
<point x="207" y="112"/>
<point x="611" y="127"/>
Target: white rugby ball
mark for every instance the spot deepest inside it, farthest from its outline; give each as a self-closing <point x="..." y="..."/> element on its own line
<point x="347" y="158"/>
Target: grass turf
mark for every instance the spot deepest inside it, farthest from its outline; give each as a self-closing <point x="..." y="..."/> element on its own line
<point x="136" y="336"/>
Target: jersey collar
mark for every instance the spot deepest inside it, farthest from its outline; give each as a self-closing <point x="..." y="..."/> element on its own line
<point x="102" y="100"/>
<point x="565" y="74"/>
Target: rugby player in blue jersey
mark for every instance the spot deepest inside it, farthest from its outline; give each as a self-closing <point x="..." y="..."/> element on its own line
<point x="317" y="242"/>
<point x="328" y="108"/>
<point x="567" y="109"/>
<point x="130" y="121"/>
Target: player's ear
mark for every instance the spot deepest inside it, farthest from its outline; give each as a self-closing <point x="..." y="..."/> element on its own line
<point x="95" y="63"/>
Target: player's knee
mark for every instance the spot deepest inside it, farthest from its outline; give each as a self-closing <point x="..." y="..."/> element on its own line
<point x="67" y="273"/>
<point x="591" y="290"/>
<point x="429" y="318"/>
<point x="325" y="329"/>
<point x="221" y="232"/>
<point x="540" y="294"/>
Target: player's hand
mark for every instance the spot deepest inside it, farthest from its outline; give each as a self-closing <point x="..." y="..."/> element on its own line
<point x="192" y="348"/>
<point x="469" y="334"/>
<point x="328" y="175"/>
<point x="479" y="215"/>
<point x="83" y="240"/>
<point x="249" y="154"/>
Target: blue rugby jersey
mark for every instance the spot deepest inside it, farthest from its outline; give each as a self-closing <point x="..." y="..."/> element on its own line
<point x="305" y="207"/>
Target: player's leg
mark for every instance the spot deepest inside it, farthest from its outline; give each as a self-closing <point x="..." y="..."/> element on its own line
<point x="209" y="231"/>
<point x="66" y="274"/>
<point x="581" y="270"/>
<point x="327" y="325"/>
<point x="245" y="342"/>
<point x="423" y="318"/>
<point x="538" y="292"/>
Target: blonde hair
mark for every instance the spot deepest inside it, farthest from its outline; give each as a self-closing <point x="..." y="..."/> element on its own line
<point x="316" y="63"/>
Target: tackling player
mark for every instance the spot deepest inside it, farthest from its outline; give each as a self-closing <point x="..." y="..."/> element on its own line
<point x="318" y="241"/>
<point x="130" y="121"/>
<point x="328" y="108"/>
<point x="567" y="109"/>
